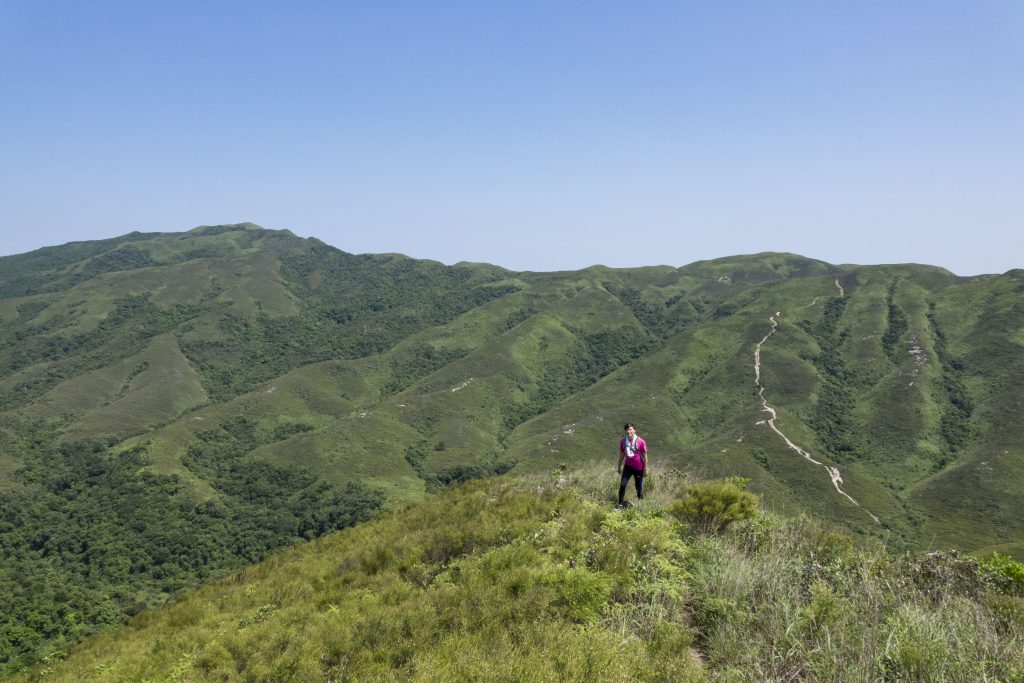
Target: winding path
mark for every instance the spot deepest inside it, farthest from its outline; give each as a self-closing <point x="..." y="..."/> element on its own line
<point x="833" y="472"/>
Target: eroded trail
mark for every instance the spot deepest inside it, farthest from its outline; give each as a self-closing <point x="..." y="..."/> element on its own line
<point x="833" y="472"/>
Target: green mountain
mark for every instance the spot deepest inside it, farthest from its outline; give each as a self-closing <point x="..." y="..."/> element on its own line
<point x="176" y="406"/>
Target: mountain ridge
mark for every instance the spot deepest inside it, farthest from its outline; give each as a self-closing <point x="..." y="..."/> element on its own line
<point x="198" y="367"/>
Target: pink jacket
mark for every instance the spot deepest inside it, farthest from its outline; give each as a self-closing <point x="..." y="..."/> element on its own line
<point x="632" y="454"/>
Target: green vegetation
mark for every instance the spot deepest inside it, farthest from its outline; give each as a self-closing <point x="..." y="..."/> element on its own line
<point x="713" y="506"/>
<point x="955" y="425"/>
<point x="232" y="390"/>
<point x="540" y="578"/>
<point x="897" y="327"/>
<point x="27" y="274"/>
<point x="832" y="417"/>
<point x="126" y="330"/>
<point x="337" y="323"/>
<point x="1006" y="573"/>
<point x="418" y="451"/>
<point x="99" y="537"/>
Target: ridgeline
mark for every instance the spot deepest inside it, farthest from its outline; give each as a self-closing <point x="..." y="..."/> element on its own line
<point x="175" y="407"/>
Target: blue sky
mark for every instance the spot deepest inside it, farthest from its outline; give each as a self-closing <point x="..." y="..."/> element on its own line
<point x="533" y="135"/>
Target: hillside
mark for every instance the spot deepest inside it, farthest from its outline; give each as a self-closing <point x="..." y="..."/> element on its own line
<point x="531" y="579"/>
<point x="176" y="406"/>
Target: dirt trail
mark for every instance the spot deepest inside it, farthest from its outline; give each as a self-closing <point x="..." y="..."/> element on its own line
<point x="833" y="472"/>
<point x="813" y="301"/>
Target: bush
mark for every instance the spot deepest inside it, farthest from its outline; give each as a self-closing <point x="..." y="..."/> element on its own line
<point x="715" y="505"/>
<point x="940" y="574"/>
<point x="1005" y="573"/>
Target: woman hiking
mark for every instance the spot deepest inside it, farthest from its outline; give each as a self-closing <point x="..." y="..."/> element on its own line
<point x="632" y="463"/>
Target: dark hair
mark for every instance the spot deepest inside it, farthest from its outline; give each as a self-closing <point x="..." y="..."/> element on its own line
<point x="628" y="425"/>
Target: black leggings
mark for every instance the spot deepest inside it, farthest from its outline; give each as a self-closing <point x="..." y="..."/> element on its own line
<point x="638" y="479"/>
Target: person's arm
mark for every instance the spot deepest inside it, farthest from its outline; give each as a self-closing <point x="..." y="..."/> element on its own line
<point x="622" y="456"/>
<point x="643" y="455"/>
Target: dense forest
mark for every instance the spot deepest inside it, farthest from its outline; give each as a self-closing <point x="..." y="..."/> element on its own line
<point x="97" y="537"/>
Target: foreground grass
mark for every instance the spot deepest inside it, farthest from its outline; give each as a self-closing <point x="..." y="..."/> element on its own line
<point x="540" y="579"/>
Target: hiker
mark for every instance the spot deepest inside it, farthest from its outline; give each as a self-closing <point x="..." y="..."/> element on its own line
<point x="632" y="463"/>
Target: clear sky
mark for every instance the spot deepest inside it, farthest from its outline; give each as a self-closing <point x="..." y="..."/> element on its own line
<point x="534" y="135"/>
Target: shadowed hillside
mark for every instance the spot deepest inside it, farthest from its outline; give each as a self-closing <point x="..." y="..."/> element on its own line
<point x="174" y="406"/>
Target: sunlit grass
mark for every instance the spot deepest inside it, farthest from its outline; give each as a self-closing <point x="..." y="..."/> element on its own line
<point x="539" y="578"/>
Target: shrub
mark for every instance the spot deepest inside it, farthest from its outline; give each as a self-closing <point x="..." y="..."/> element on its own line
<point x="715" y="505"/>
<point x="1005" y="573"/>
<point x="938" y="574"/>
<point x="626" y="546"/>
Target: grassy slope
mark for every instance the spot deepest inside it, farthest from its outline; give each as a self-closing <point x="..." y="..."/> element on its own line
<point x="537" y="579"/>
<point x="977" y="501"/>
